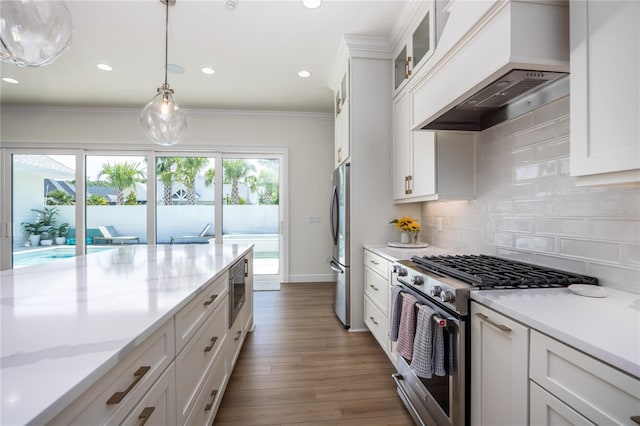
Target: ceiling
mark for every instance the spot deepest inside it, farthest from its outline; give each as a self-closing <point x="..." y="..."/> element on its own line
<point x="256" y="50"/>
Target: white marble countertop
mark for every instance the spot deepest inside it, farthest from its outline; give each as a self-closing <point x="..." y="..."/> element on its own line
<point x="66" y="323"/>
<point x="393" y="254"/>
<point x="605" y="328"/>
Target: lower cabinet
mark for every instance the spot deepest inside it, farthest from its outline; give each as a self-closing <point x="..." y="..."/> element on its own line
<point x="499" y="371"/>
<point x="377" y="272"/>
<point x="158" y="406"/>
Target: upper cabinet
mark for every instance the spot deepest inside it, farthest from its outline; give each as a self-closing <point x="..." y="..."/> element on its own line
<point x="415" y="47"/>
<point x="605" y="92"/>
<point x="341" y="144"/>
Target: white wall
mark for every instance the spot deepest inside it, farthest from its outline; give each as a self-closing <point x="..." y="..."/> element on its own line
<point x="307" y="137"/>
<point x="529" y="208"/>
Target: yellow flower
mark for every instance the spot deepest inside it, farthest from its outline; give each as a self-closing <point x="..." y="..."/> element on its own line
<point x="406" y="224"/>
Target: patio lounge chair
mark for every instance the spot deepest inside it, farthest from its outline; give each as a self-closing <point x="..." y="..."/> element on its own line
<point x="110" y="236"/>
<point x="202" y="237"/>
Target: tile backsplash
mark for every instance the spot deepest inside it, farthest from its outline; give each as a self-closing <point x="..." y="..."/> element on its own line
<point x="529" y="208"/>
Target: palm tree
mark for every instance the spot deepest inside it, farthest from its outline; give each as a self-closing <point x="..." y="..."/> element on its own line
<point x="58" y="197"/>
<point x="97" y="200"/>
<point x="121" y="176"/>
<point x="268" y="181"/>
<point x="166" y="173"/>
<point x="236" y="171"/>
<point x="187" y="171"/>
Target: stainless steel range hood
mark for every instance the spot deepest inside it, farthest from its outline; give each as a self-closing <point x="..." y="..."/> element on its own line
<point x="515" y="59"/>
<point x="510" y="96"/>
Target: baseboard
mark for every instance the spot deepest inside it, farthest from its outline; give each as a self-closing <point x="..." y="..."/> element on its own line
<point x="319" y="278"/>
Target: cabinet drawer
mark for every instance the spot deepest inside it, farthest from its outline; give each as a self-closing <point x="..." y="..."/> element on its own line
<point x="377" y="288"/>
<point x="377" y="323"/>
<point x="158" y="407"/>
<point x="189" y="318"/>
<point x="206" y="406"/>
<point x="115" y="394"/>
<point x="599" y="392"/>
<point x="546" y="409"/>
<point x="377" y="263"/>
<point x="236" y="336"/>
<point x="194" y="362"/>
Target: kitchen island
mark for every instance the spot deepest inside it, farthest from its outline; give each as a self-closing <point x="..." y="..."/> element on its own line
<point x="68" y="324"/>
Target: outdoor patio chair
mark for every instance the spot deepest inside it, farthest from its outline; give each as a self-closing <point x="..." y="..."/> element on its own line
<point x="110" y="236"/>
<point x="202" y="237"/>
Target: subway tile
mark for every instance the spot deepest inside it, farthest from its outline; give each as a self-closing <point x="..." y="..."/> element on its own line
<point x="521" y="190"/>
<point x="558" y="186"/>
<point x="602" y="251"/>
<point x="510" y="127"/>
<point x="553" y="111"/>
<point x="472" y="236"/>
<point x="560" y="226"/>
<point x="533" y="135"/>
<point x="563" y="126"/>
<point x="562" y="263"/>
<point x="588" y="205"/>
<point x="616" y="276"/>
<point x="543" y="206"/>
<point x="535" y="243"/>
<point x="614" y="229"/>
<point x="631" y="254"/>
<point x="632" y="204"/>
<point x="515" y="224"/>
<point x="535" y="171"/>
<point x="493" y="149"/>
<point x="504" y="239"/>
<point x="520" y="256"/>
<point x="500" y="206"/>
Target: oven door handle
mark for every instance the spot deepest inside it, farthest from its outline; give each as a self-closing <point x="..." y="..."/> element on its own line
<point x="412" y="409"/>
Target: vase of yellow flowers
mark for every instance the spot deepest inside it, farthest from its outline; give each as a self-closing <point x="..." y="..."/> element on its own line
<point x="409" y="229"/>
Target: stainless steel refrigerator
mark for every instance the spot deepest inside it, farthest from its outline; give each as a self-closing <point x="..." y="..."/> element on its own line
<point x="339" y="220"/>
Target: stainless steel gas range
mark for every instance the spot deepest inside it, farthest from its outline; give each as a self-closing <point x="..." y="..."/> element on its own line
<point x="441" y="287"/>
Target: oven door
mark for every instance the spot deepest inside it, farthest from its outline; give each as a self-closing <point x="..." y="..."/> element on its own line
<point x="438" y="400"/>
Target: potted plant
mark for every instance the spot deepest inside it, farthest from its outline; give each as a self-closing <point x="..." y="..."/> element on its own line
<point x="61" y="233"/>
<point x="33" y="229"/>
<point x="46" y="217"/>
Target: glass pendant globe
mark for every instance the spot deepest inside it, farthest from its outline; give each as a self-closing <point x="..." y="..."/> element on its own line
<point x="34" y="33"/>
<point x="163" y="121"/>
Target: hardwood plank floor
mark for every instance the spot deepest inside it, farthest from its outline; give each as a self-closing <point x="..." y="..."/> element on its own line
<point x="300" y="367"/>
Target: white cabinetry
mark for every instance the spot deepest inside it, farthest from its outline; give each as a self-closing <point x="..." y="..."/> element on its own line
<point x="377" y="271"/>
<point x="499" y="373"/>
<point x="429" y="165"/>
<point x="605" y="91"/>
<point x="573" y="385"/>
<point x="341" y="148"/>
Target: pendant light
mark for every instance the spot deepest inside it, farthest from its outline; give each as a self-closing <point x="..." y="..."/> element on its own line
<point x="163" y="121"/>
<point x="34" y="33"/>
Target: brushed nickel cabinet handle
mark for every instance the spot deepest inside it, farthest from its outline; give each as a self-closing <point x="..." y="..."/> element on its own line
<point x="144" y="416"/>
<point x="209" y="406"/>
<point x="373" y="287"/>
<point x="137" y="376"/>
<point x="212" y="343"/>
<point x="374" y="262"/>
<point x="373" y="320"/>
<point x="499" y="326"/>
<point x="238" y="335"/>
<point x="635" y="419"/>
<point x="211" y="299"/>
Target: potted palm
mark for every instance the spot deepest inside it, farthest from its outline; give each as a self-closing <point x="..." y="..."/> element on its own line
<point x="61" y="233"/>
<point x="33" y="229"/>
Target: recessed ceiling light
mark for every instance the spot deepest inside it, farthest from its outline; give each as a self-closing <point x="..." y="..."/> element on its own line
<point x="10" y="80"/>
<point x="104" y="67"/>
<point x="304" y="74"/>
<point x="175" y="69"/>
<point x="312" y="4"/>
<point x="208" y="70"/>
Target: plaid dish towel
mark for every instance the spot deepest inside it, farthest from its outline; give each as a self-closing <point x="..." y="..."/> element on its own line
<point x="396" y="308"/>
<point x="407" y="328"/>
<point x="428" y="347"/>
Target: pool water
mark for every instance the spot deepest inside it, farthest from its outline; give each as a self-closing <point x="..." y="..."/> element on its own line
<point x="35" y="257"/>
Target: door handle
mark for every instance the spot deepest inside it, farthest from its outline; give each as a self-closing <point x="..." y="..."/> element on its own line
<point x="335" y="267"/>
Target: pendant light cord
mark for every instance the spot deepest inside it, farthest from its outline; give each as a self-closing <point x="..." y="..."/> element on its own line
<point x="166" y="42"/>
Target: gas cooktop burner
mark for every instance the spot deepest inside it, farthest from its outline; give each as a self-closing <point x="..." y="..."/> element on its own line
<point x="493" y="272"/>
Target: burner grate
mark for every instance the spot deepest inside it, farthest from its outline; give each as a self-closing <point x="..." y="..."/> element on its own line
<point x="493" y="272"/>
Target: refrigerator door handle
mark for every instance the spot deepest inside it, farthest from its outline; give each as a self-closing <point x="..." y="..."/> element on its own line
<point x="335" y="266"/>
<point x="334" y="216"/>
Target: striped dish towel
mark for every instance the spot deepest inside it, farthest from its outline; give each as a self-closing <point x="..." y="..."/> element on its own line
<point x="407" y="328"/>
<point x="396" y="308"/>
<point x="428" y="347"/>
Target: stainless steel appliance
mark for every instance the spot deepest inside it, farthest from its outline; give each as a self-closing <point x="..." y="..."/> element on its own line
<point x="444" y="284"/>
<point x="237" y="274"/>
<point x="339" y="221"/>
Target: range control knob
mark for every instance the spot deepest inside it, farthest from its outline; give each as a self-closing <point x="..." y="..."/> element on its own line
<point x="435" y="290"/>
<point x="402" y="272"/>
<point x="417" y="280"/>
<point x="447" y="296"/>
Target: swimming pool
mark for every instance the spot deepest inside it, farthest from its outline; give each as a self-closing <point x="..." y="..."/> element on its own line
<point x="34" y="257"/>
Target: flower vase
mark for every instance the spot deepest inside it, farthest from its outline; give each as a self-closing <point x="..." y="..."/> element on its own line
<point x="405" y="237"/>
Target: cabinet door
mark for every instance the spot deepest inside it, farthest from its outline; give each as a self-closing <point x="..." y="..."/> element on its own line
<point x="424" y="163"/>
<point x="499" y="373"/>
<point x="344" y="132"/>
<point x="158" y="407"/>
<point x="605" y="89"/>
<point x="549" y="410"/>
<point x="402" y="146"/>
<point x="401" y="70"/>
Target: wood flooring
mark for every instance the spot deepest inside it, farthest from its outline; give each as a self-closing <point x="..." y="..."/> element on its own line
<point x="301" y="367"/>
